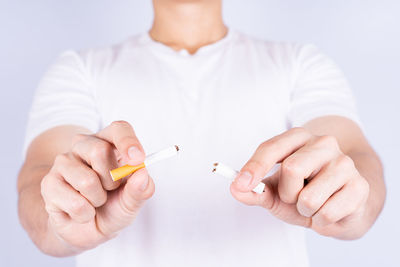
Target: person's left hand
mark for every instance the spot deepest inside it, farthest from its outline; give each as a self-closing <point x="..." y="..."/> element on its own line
<point x="316" y="186"/>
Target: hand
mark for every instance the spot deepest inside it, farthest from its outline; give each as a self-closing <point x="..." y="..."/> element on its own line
<point x="84" y="205"/>
<point x="317" y="186"/>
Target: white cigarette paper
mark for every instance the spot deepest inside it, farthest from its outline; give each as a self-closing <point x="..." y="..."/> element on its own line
<point x="161" y="155"/>
<point x="231" y="174"/>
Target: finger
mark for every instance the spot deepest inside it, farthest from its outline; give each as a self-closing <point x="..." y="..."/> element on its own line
<point x="123" y="137"/>
<point x="305" y="163"/>
<point x="60" y="196"/>
<point x="270" y="200"/>
<point x="124" y="204"/>
<point x="137" y="189"/>
<point x="100" y="155"/>
<point x="343" y="203"/>
<point x="265" y="199"/>
<point x="82" y="178"/>
<point x="267" y="155"/>
<point x="57" y="217"/>
<point x="330" y="179"/>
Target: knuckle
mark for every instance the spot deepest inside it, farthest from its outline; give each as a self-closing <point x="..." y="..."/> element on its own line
<point x="44" y="182"/>
<point x="101" y="150"/>
<point x="61" y="159"/>
<point x="362" y="187"/>
<point x="48" y="208"/>
<point x="128" y="140"/>
<point x="326" y="216"/>
<point x="103" y="199"/>
<point x="110" y="185"/>
<point x="275" y="143"/>
<point x="308" y="201"/>
<point x="286" y="197"/>
<point x="365" y="186"/>
<point x="345" y="162"/>
<point x="120" y="124"/>
<point x="88" y="183"/>
<point x="270" y="145"/>
<point x="265" y="144"/>
<point x="78" y="206"/>
<point x="255" y="165"/>
<point x="99" y="199"/>
<point x="78" y="138"/>
<point x="289" y="167"/>
<point x="44" y="185"/>
<point x="298" y="130"/>
<point x="327" y="141"/>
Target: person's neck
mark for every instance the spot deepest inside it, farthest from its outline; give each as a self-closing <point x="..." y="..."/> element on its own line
<point x="188" y="26"/>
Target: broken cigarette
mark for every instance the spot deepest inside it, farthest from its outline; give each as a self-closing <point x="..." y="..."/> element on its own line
<point x="231" y="174"/>
<point x="126" y="170"/>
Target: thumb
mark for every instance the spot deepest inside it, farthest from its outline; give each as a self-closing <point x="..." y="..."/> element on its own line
<point x="271" y="191"/>
<point x="265" y="199"/>
<point x="271" y="201"/>
<point x="124" y="203"/>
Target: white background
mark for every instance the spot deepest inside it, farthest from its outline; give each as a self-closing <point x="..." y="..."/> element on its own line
<point x="363" y="36"/>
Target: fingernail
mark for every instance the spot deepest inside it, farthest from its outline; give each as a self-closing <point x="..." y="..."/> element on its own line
<point x="134" y="153"/>
<point x="244" y="179"/>
<point x="145" y="183"/>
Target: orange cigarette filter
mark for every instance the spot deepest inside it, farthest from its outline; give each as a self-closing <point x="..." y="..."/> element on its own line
<point x="126" y="170"/>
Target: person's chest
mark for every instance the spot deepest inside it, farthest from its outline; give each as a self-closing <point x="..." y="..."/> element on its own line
<point x="225" y="98"/>
<point x="217" y="109"/>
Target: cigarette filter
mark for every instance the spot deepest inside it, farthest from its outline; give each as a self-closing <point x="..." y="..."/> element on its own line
<point x="231" y="174"/>
<point x="126" y="170"/>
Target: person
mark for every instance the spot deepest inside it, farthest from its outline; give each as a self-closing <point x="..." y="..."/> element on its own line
<point x="281" y="113"/>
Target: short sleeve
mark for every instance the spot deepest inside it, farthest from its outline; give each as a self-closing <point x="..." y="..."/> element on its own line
<point x="319" y="88"/>
<point x="64" y="97"/>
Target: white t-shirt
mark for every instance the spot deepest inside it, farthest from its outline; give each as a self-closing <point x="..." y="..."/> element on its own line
<point x="217" y="105"/>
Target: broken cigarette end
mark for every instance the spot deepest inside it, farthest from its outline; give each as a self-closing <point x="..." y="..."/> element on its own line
<point x="231" y="174"/>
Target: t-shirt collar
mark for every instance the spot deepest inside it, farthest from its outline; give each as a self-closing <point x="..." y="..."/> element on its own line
<point x="207" y="49"/>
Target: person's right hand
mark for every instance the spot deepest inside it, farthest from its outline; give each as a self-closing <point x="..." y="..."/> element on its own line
<point x="85" y="206"/>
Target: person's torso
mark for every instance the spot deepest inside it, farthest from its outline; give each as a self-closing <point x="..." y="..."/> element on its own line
<point x="217" y="105"/>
